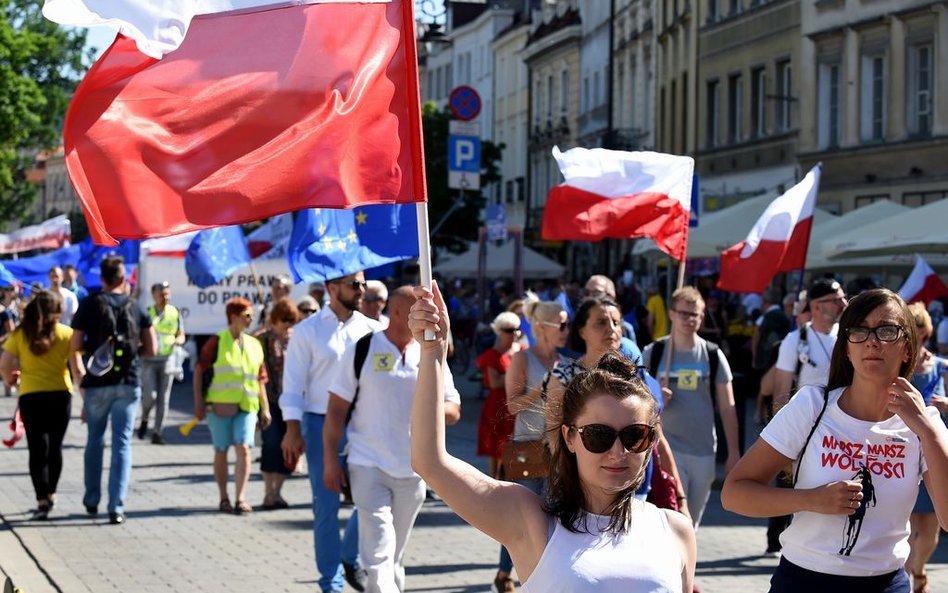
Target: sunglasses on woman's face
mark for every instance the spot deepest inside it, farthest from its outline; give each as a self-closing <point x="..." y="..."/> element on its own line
<point x="598" y="438"/>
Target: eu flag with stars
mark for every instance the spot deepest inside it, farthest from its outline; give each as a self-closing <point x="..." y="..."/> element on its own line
<point x="214" y="254"/>
<point x="329" y="243"/>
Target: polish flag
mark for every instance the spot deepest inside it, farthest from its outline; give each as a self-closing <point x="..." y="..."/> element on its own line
<point x="610" y="194"/>
<point x="207" y="113"/>
<point x="923" y="284"/>
<point x="778" y="241"/>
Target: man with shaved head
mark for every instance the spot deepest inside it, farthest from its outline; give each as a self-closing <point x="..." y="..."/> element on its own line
<point x="381" y="370"/>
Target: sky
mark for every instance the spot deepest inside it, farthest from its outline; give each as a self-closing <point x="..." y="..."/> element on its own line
<point x="100" y="38"/>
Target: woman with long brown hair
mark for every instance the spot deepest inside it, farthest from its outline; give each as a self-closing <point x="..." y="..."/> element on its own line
<point x="859" y="448"/>
<point x="35" y="355"/>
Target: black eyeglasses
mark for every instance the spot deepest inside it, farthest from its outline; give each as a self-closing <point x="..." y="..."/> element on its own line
<point x="598" y="438"/>
<point x="884" y="333"/>
<point x="688" y="314"/>
<point x="563" y="325"/>
<point x="510" y="330"/>
<point x="354" y="284"/>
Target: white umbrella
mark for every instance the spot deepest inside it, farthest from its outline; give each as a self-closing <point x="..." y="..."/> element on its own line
<point x="500" y="262"/>
<point x="919" y="230"/>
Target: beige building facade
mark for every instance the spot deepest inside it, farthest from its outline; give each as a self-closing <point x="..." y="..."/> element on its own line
<point x="748" y="99"/>
<point x="633" y="90"/>
<point x="511" y="116"/>
<point x="874" y="104"/>
<point x="552" y="59"/>
<point x="676" y="27"/>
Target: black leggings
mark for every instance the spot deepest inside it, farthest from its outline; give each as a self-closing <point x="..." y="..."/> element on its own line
<point x="45" y="417"/>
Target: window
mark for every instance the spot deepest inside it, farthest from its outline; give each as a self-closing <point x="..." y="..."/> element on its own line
<point x="869" y="199"/>
<point x="735" y="100"/>
<point x="872" y="98"/>
<point x="920" y="89"/>
<point x="916" y="199"/>
<point x="735" y="7"/>
<point x="713" y="105"/>
<point x="549" y="98"/>
<point x="596" y="95"/>
<point x="564" y="91"/>
<point x="620" y="92"/>
<point x="828" y="106"/>
<point x="784" y="95"/>
<point x="759" y="102"/>
<point x="536" y="105"/>
<point x="585" y="104"/>
<point x="713" y="11"/>
<point x="672" y="103"/>
<point x="448" y="82"/>
<point x="632" y="94"/>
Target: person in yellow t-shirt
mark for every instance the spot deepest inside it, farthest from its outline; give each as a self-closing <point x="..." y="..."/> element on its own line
<point x="35" y="355"/>
<point x="657" y="315"/>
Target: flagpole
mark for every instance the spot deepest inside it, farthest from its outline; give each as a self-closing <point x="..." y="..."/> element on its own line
<point x="424" y="253"/>
<point x="670" y="346"/>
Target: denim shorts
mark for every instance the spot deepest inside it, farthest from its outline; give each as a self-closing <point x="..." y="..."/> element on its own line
<point x="231" y="430"/>
<point x="790" y="578"/>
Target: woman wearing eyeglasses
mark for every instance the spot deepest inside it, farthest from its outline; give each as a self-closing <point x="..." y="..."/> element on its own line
<point x="496" y="424"/>
<point x="589" y="533"/>
<point x="859" y="448"/>
<point x="232" y="398"/>
<point x="275" y="340"/>
<point x="549" y="326"/>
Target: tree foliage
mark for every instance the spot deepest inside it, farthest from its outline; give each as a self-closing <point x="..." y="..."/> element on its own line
<point x="461" y="224"/>
<point x="40" y="64"/>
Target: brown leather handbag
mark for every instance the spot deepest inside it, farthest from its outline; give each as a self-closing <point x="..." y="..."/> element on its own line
<point x="522" y="460"/>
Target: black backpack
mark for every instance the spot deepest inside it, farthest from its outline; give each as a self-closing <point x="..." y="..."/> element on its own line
<point x="361" y="353"/>
<point x="118" y="325"/>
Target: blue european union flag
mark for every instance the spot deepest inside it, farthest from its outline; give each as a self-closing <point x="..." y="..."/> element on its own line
<point x="6" y="278"/>
<point x="91" y="255"/>
<point x="328" y="243"/>
<point x="214" y="254"/>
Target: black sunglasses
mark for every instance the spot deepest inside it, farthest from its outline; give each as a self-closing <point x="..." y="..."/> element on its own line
<point x="354" y="284"/>
<point x="510" y="330"/>
<point x="598" y="438"/>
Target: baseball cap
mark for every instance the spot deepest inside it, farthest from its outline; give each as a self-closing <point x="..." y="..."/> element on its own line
<point x="821" y="288"/>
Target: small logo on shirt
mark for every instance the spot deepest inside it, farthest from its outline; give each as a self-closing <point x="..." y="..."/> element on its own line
<point x="384" y="362"/>
<point x="896" y="439"/>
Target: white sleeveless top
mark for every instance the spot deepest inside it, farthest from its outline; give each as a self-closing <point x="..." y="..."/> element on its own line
<point x="646" y="559"/>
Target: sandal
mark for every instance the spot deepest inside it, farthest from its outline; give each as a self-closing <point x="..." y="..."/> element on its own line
<point x="225" y="506"/>
<point x="921" y="583"/>
<point x="242" y="507"/>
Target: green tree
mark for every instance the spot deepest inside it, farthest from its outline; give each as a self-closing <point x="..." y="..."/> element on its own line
<point x="460" y="224"/>
<point x="40" y="64"/>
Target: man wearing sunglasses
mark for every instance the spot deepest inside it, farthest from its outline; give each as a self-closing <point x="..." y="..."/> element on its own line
<point x="312" y="358"/>
<point x="387" y="493"/>
<point x="691" y="398"/>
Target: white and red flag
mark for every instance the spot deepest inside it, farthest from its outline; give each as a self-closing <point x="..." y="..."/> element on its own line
<point x="778" y="241"/>
<point x="923" y="284"/>
<point x="611" y="194"/>
<point x="207" y="113"/>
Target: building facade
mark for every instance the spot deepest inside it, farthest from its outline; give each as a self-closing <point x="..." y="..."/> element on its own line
<point x="874" y="109"/>
<point x="633" y="76"/>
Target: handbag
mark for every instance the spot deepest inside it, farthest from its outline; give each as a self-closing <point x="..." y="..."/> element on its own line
<point x="522" y="460"/>
<point x="663" y="490"/>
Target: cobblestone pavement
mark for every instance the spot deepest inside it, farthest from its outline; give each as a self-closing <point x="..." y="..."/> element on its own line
<point x="175" y="540"/>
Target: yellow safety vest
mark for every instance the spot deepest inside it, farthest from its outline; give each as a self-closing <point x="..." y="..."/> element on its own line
<point x="166" y="326"/>
<point x="235" y="372"/>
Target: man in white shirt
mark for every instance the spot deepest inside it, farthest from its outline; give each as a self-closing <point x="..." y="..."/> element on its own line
<point x="311" y="360"/>
<point x="804" y="358"/>
<point x="807" y="360"/>
<point x="387" y="493"/>
<point x="70" y="301"/>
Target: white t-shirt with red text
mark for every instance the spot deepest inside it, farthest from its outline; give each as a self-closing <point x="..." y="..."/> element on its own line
<point x="839" y="447"/>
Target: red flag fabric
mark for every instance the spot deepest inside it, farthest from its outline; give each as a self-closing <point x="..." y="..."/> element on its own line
<point x="257" y="112"/>
<point x="778" y="242"/>
<point x="621" y="195"/>
<point x="923" y="284"/>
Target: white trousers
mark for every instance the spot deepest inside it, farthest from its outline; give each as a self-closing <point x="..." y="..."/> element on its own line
<point x="387" y="510"/>
<point x="697" y="475"/>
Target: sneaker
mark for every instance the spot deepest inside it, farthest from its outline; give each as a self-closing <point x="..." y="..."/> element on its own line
<point x="142" y="430"/>
<point x="92" y="510"/>
<point x="356" y="577"/>
<point x="502" y="585"/>
<point x="157" y="439"/>
<point x="116" y="518"/>
<point x="40" y="513"/>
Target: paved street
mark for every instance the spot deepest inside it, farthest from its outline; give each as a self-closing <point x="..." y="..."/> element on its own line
<point x="175" y="540"/>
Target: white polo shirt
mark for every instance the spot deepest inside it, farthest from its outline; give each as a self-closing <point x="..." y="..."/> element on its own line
<point x="380" y="429"/>
<point x="318" y="343"/>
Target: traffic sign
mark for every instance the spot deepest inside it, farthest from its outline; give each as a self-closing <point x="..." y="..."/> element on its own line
<point x="457" y="127"/>
<point x="464" y="154"/>
<point x="463" y="180"/>
<point x="464" y="103"/>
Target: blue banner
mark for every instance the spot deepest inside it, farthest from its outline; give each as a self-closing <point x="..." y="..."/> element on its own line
<point x="214" y="254"/>
<point x="328" y="244"/>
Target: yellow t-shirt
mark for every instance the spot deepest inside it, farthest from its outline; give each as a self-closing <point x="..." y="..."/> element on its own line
<point x="47" y="372"/>
<point x="656" y="306"/>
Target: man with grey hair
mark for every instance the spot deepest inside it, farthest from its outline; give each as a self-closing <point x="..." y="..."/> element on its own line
<point x="374" y="301"/>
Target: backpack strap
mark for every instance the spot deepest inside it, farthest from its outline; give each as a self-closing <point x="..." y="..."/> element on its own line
<point x="714" y="361"/>
<point x="361" y="353"/>
<point x="658" y="348"/>
<point x="802" y="341"/>
<point x="796" y="473"/>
